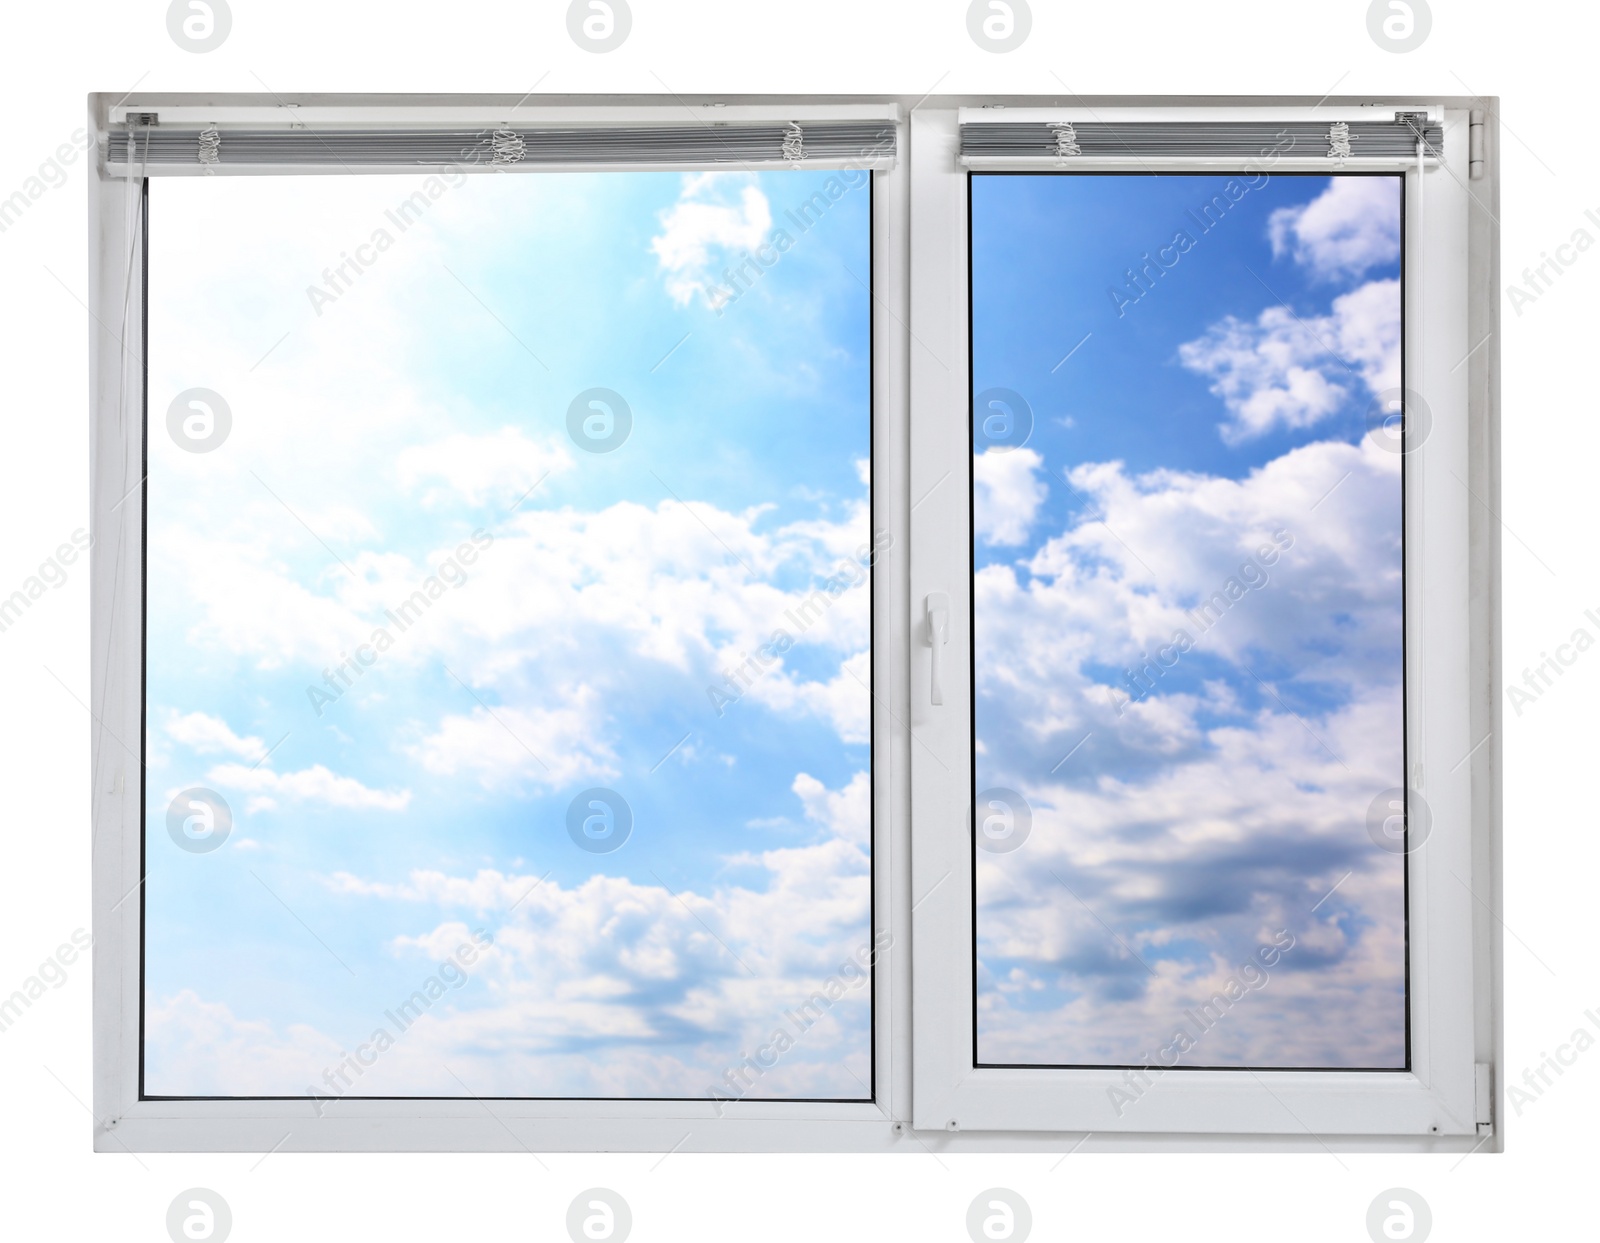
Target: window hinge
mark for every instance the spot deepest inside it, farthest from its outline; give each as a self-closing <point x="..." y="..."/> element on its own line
<point x="1485" y="1098"/>
<point x="1475" y="145"/>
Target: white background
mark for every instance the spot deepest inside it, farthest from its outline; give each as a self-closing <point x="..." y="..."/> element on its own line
<point x="1537" y="58"/>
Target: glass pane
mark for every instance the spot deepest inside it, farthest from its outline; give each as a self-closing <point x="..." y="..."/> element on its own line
<point x="508" y="636"/>
<point x="1187" y="621"/>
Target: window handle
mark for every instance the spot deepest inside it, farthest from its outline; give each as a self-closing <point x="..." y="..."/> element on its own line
<point x="938" y="636"/>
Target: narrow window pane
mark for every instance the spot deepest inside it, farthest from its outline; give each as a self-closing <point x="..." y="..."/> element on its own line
<point x="508" y="646"/>
<point x="1187" y="597"/>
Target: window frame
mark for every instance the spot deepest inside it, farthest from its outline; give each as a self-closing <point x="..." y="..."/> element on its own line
<point x="914" y="248"/>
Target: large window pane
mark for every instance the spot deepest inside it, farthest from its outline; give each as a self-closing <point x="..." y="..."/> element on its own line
<point x="508" y="648"/>
<point x="1188" y="600"/>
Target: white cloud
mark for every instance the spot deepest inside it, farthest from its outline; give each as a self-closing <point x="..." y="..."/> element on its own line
<point x="209" y="735"/>
<point x="1194" y="866"/>
<point x="1113" y="591"/>
<point x="1006" y="494"/>
<point x="1366" y="324"/>
<point x="242" y="598"/>
<point x="606" y="987"/>
<point x="1350" y="227"/>
<point x="716" y="214"/>
<point x="842" y="701"/>
<point x="1293" y="371"/>
<point x="498" y="467"/>
<point x="205" y="1048"/>
<point x="847" y="813"/>
<point x="647" y="595"/>
<point x="1204" y="812"/>
<point x="545" y="746"/>
<point x="311" y="785"/>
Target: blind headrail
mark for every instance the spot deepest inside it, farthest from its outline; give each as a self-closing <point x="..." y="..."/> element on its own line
<point x="1263" y="142"/>
<point x="862" y="144"/>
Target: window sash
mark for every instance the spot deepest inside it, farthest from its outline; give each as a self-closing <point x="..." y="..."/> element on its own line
<point x="1437" y="1095"/>
<point x="118" y="205"/>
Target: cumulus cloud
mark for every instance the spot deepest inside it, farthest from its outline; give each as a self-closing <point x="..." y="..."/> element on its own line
<point x="1006" y="495"/>
<point x="552" y="747"/>
<point x="648" y="595"/>
<point x="209" y="735"/>
<point x="1192" y="867"/>
<point x="846" y="813"/>
<point x="606" y="987"/>
<point x="1352" y="226"/>
<point x="1058" y="630"/>
<point x="843" y="701"/>
<point x="1292" y="371"/>
<point x="716" y="214"/>
<point x="251" y="605"/>
<point x="316" y="784"/>
<point x="1366" y="327"/>
<point x="205" y="1049"/>
<point x="1216" y="798"/>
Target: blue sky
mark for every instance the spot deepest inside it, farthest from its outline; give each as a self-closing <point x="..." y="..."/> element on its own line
<point x="380" y="425"/>
<point x="1199" y="431"/>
